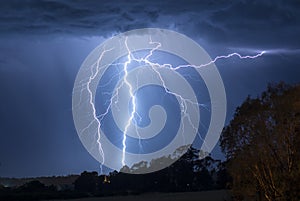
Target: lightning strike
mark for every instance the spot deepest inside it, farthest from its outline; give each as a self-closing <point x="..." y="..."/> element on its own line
<point x="130" y="91"/>
<point x="91" y="78"/>
<point x="154" y="67"/>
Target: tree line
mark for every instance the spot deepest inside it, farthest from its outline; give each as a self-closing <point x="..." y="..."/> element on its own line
<point x="189" y="173"/>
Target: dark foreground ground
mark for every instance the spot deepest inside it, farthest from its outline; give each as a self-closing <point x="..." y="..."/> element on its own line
<point x="220" y="195"/>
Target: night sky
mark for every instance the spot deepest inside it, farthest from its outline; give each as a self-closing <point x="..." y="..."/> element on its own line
<point x="43" y="43"/>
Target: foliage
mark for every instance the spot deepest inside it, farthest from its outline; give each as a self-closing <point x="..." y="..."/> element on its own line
<point x="87" y="182"/>
<point x="262" y="145"/>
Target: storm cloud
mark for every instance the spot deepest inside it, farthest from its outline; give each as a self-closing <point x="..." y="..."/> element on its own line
<point x="254" y="23"/>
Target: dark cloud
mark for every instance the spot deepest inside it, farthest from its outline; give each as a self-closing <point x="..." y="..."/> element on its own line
<point x="260" y="23"/>
<point x="254" y="23"/>
<point x="34" y="16"/>
<point x="87" y="18"/>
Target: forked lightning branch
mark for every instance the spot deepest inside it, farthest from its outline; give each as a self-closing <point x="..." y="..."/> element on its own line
<point x="89" y="124"/>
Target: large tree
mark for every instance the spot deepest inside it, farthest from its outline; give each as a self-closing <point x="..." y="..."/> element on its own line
<point x="262" y="145"/>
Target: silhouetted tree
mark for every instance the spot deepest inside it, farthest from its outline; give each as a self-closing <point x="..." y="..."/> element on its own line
<point x="262" y="144"/>
<point x="182" y="171"/>
<point x="204" y="171"/>
<point x="33" y="186"/>
<point x="188" y="173"/>
<point x="87" y="182"/>
<point x="223" y="179"/>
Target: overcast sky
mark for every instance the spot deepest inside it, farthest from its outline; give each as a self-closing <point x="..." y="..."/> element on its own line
<point x="43" y="43"/>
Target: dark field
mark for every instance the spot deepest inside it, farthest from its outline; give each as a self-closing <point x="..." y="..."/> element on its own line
<point x="220" y="195"/>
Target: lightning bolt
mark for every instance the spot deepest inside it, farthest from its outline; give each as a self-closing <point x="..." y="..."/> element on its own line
<point x="154" y="66"/>
<point x="125" y="81"/>
<point x="98" y="121"/>
<point x="130" y="91"/>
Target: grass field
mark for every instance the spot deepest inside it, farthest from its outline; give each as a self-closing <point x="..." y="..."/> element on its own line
<point x="221" y="195"/>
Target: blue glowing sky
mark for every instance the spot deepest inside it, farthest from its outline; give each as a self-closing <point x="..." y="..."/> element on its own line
<point x="43" y="44"/>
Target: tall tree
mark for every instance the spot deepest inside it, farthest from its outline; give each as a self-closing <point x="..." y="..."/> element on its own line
<point x="262" y="145"/>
